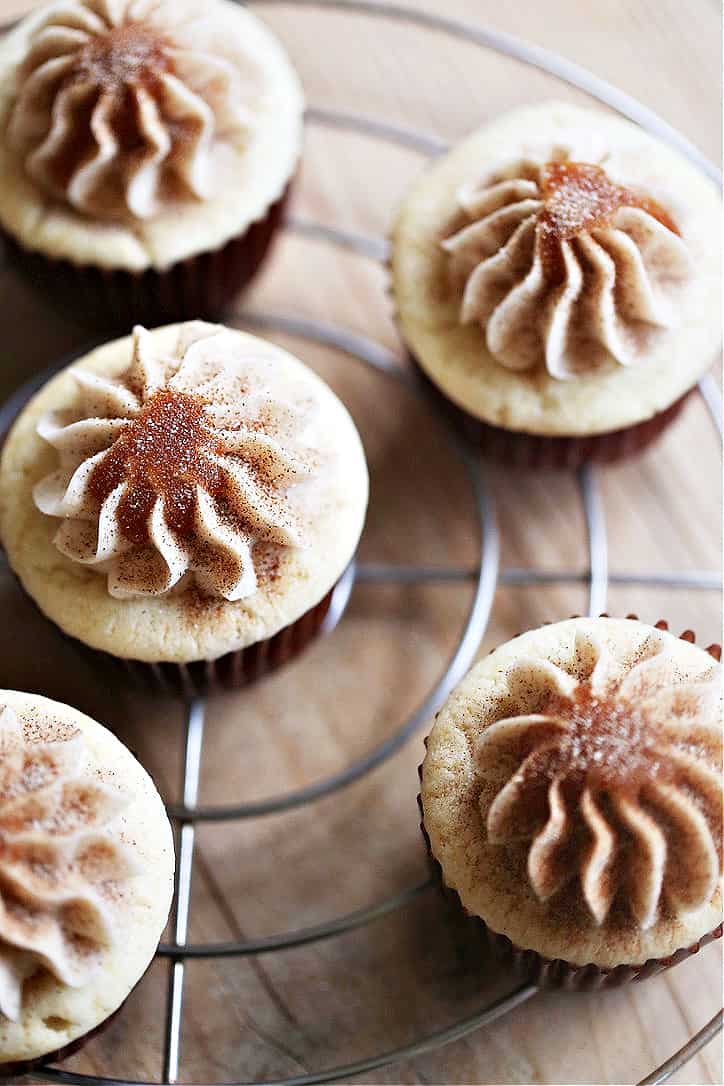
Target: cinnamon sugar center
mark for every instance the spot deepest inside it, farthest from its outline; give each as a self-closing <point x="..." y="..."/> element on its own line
<point x="165" y="453"/>
<point x="607" y="742"/>
<point x="129" y="54"/>
<point x="579" y="197"/>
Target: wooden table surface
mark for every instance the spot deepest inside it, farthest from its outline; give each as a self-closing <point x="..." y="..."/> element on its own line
<point x="416" y="970"/>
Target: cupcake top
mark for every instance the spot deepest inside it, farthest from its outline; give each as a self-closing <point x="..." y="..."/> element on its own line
<point x="203" y="486"/>
<point x="117" y="115"/>
<point x="173" y="472"/>
<point x="86" y="874"/>
<point x="552" y="272"/>
<point x="572" y="792"/>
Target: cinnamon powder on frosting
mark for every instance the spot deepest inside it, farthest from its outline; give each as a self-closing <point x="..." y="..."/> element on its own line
<point x="164" y="453"/>
<point x="129" y="53"/>
<point x="608" y="743"/>
<point x="563" y="269"/>
<point x="189" y="468"/>
<point x="610" y="782"/>
<point x="579" y="197"/>
<point x="126" y="58"/>
<point x="118" y="108"/>
<point x="61" y="861"/>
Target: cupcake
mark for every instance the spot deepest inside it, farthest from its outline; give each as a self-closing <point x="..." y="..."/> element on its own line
<point x="556" y="279"/>
<point x="572" y="798"/>
<point x="185" y="498"/>
<point x="146" y="150"/>
<point x="86" y="878"/>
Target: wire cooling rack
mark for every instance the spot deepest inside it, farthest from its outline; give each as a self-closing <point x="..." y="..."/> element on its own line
<point x="485" y="576"/>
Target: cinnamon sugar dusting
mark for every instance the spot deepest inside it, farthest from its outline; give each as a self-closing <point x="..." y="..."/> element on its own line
<point x="606" y="742"/>
<point x="132" y="53"/>
<point x="180" y="471"/>
<point x="165" y="453"/>
<point x="119" y="107"/>
<point x="564" y="269"/>
<point x="580" y="197"/>
<point x="610" y="774"/>
<point x="61" y="865"/>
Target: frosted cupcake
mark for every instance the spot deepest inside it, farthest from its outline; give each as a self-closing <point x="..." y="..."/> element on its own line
<point x="572" y="798"/>
<point x="557" y="280"/>
<point x="86" y="878"/>
<point x="146" y="149"/>
<point x="186" y="498"/>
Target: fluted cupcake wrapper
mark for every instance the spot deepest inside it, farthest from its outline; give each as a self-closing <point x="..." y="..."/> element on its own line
<point x="231" y="671"/>
<point x="202" y="286"/>
<point x="548" y="973"/>
<point x="235" y="669"/>
<point x="537" y="451"/>
<point x="556" y="972"/>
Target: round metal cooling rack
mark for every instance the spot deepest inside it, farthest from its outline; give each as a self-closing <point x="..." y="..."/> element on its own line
<point x="484" y="575"/>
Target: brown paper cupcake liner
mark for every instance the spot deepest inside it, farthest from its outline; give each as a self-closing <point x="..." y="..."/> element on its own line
<point x="231" y="671"/>
<point x="537" y="451"/>
<point x="556" y="972"/>
<point x="202" y="286"/>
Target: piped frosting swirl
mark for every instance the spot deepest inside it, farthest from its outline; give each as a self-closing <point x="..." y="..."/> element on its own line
<point x="173" y="473"/>
<point x="62" y="869"/>
<point x="609" y="777"/>
<point x="119" y="109"/>
<point x="563" y="268"/>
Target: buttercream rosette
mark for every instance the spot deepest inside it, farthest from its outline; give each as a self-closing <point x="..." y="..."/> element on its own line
<point x="608" y="772"/>
<point x="61" y="869"/>
<point x="172" y="474"/>
<point x="120" y="107"/>
<point x="564" y="265"/>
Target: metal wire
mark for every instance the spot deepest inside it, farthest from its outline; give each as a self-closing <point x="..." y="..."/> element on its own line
<point x="407" y="1052"/>
<point x="685" y="1053"/>
<point x="697" y="580"/>
<point x="373" y="248"/>
<point x="380" y="130"/>
<point x="389" y="573"/>
<point x="195" y="719"/>
<point x="287" y="941"/>
<point x="536" y="57"/>
<point x="187" y="813"/>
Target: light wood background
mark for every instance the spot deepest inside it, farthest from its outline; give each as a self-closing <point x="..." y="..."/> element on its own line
<point x="415" y="971"/>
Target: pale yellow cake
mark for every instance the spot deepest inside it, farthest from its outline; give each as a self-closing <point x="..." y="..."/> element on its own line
<point x="572" y="792"/>
<point x="558" y="273"/>
<point x="86" y="885"/>
<point x="181" y="494"/>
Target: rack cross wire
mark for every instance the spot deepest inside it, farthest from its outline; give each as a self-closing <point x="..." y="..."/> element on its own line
<point x="485" y="576"/>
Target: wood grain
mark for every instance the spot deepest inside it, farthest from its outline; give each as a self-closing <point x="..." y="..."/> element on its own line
<point x="416" y="970"/>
